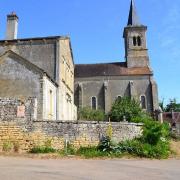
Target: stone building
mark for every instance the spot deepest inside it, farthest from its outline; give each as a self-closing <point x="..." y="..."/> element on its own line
<point x="98" y="85"/>
<point x="40" y="68"/>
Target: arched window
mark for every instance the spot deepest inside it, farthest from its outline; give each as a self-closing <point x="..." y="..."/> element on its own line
<point x="118" y="98"/>
<point x="139" y="41"/>
<point x="134" y="41"/>
<point x="93" y="103"/>
<point x="143" y="102"/>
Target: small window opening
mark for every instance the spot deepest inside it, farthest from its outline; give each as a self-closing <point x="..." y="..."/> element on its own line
<point x="143" y="102"/>
<point x="118" y="98"/>
<point x="50" y="103"/>
<point x="94" y="103"/>
<point x="134" y="41"/>
<point x="139" y="40"/>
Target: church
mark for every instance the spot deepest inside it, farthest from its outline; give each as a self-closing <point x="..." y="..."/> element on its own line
<point x="99" y="85"/>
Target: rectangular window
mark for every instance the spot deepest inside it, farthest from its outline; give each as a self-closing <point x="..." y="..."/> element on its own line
<point x="50" y="104"/>
<point x="143" y="102"/>
<point x="94" y="103"/>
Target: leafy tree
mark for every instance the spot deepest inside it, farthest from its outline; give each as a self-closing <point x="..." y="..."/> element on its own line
<point x="125" y="107"/>
<point x="173" y="105"/>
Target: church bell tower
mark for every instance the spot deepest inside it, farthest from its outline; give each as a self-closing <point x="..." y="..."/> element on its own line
<point x="136" y="52"/>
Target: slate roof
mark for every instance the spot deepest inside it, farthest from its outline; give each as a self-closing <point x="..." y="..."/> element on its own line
<point x="109" y="69"/>
<point x="133" y="19"/>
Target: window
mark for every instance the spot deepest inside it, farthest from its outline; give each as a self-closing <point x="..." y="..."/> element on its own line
<point x="143" y="102"/>
<point x="134" y="41"/>
<point x="139" y="40"/>
<point x="93" y="103"/>
<point x="118" y="98"/>
<point x="50" y="103"/>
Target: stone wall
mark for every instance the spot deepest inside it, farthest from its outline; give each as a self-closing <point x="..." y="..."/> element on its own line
<point x="90" y="131"/>
<point x="19" y="126"/>
<point x="12" y="108"/>
<point x="32" y="133"/>
<point x="115" y="86"/>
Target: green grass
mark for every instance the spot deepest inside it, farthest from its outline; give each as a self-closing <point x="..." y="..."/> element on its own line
<point x="94" y="152"/>
<point x="42" y="150"/>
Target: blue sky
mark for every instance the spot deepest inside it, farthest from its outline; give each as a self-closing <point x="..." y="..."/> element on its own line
<point x="96" y="29"/>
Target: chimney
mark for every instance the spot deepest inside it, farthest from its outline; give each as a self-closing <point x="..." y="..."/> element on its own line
<point x="12" y="26"/>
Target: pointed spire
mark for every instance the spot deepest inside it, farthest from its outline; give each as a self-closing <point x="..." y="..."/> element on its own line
<point x="133" y="19"/>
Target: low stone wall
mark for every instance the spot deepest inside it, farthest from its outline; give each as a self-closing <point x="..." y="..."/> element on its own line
<point x="32" y="133"/>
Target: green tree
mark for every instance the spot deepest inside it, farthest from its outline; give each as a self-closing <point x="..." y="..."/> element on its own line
<point x="173" y="105"/>
<point x="125" y="107"/>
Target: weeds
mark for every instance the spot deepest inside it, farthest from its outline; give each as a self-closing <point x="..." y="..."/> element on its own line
<point x="7" y="146"/>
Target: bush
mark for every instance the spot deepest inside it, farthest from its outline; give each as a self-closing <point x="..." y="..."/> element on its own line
<point x="153" y="131"/>
<point x="7" y="146"/>
<point x="46" y="148"/>
<point x="42" y="149"/>
<point x="154" y="142"/>
<point x="125" y="107"/>
<point x="91" y="152"/>
<point x="135" y="147"/>
<point x="91" y="114"/>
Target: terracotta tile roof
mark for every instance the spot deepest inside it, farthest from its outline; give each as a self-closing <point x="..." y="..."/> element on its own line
<point x="109" y="69"/>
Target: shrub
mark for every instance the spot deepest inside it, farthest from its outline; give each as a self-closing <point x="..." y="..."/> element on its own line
<point x="154" y="142"/>
<point x="125" y="107"/>
<point x="91" y="152"/>
<point x="7" y="146"/>
<point x="91" y="114"/>
<point x="42" y="149"/>
<point x="153" y="131"/>
<point x="136" y="147"/>
<point x="106" y="145"/>
<point x="46" y="148"/>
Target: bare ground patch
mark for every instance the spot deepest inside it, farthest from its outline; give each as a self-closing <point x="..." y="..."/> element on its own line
<point x="175" y="147"/>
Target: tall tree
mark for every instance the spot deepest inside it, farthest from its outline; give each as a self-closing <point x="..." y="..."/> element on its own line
<point x="173" y="105"/>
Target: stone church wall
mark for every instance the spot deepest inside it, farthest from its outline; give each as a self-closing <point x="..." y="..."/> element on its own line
<point x="116" y="86"/>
